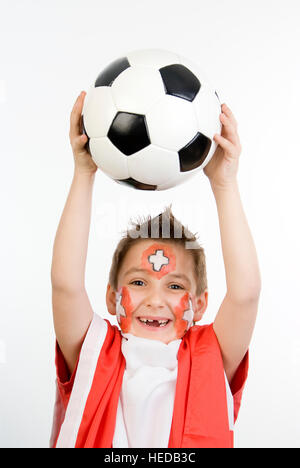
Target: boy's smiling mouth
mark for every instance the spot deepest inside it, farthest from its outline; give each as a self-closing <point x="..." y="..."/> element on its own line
<point x="153" y="323"/>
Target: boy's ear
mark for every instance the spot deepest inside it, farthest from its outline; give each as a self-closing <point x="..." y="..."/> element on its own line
<point x="200" y="305"/>
<point x="111" y="299"/>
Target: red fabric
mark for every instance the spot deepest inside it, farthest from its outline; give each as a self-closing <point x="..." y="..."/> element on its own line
<point x="238" y="383"/>
<point x="200" y="417"/>
<point x="64" y="380"/>
<point x="64" y="385"/>
<point x="98" y="424"/>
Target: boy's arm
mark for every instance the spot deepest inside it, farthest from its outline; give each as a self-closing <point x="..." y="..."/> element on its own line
<point x="72" y="312"/>
<point x="236" y="317"/>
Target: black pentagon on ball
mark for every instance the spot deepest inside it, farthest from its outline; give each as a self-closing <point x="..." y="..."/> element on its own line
<point x="128" y="132"/>
<point x="179" y="81"/>
<point x="111" y="72"/>
<point x="194" y="153"/>
<point x="136" y="184"/>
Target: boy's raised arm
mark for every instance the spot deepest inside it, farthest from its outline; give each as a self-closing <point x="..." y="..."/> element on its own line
<point x="236" y="317"/>
<point x="72" y="312"/>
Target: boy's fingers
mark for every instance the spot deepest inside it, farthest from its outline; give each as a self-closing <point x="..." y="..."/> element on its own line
<point x="79" y="142"/>
<point x="75" y="117"/>
<point x="229" y="129"/>
<point x="229" y="114"/>
<point x="224" y="143"/>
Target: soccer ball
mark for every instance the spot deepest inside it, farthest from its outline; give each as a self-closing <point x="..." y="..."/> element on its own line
<point x="150" y="119"/>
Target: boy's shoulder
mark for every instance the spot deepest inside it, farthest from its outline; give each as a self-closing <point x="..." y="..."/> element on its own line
<point x="201" y="335"/>
<point x="201" y="329"/>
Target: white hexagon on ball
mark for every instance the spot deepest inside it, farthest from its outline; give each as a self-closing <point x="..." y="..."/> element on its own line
<point x="136" y="89"/>
<point x="172" y="123"/>
<point x="180" y="178"/>
<point x="142" y="165"/>
<point x="154" y="58"/>
<point x="99" y="111"/>
<point x="108" y="158"/>
<point x="208" y="109"/>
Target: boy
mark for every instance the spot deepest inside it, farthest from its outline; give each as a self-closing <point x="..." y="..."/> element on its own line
<point x="160" y="381"/>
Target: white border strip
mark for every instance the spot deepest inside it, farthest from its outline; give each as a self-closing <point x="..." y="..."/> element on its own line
<point x="83" y="381"/>
<point x="230" y="405"/>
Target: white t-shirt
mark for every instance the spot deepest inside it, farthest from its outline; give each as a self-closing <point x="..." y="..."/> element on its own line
<point x="146" y="402"/>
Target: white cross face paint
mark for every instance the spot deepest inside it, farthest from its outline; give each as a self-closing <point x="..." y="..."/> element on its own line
<point x="158" y="260"/>
<point x="189" y="315"/>
<point x="119" y="308"/>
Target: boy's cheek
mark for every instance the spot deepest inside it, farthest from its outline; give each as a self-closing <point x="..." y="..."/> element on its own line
<point x="184" y="315"/>
<point x="124" y="309"/>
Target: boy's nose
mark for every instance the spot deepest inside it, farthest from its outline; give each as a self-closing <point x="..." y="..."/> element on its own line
<point x="155" y="300"/>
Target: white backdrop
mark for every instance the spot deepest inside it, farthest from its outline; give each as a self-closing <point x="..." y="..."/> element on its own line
<point x="50" y="51"/>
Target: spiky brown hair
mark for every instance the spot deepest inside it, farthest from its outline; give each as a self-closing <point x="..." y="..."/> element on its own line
<point x="166" y="228"/>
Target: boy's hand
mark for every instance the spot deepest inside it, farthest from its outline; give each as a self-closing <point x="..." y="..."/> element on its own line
<point x="82" y="158"/>
<point x="223" y="166"/>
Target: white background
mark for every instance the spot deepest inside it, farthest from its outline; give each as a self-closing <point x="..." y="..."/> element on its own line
<point x="50" y="51"/>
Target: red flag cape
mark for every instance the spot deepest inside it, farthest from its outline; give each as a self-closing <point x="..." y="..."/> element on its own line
<point x="86" y="419"/>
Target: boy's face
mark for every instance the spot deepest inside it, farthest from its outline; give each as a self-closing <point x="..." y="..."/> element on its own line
<point x="156" y="297"/>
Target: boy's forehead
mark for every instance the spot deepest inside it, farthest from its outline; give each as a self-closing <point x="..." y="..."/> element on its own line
<point x="162" y="251"/>
<point x="144" y="244"/>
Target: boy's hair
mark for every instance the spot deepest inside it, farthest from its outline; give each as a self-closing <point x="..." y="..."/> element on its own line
<point x="166" y="228"/>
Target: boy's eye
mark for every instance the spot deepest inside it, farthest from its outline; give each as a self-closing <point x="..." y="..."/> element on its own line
<point x="177" y="286"/>
<point x="140" y="283"/>
<point x="137" y="281"/>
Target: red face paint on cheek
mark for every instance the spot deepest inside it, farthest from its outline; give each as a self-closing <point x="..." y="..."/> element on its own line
<point x="184" y="315"/>
<point x="158" y="260"/>
<point x="124" y="309"/>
